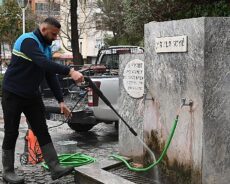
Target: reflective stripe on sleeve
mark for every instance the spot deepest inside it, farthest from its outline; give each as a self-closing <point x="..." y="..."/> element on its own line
<point x="20" y="54"/>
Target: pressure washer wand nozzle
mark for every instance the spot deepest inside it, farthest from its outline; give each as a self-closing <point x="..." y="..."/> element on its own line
<point x="107" y="102"/>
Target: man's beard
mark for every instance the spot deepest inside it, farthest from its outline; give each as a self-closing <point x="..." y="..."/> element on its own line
<point x="47" y="40"/>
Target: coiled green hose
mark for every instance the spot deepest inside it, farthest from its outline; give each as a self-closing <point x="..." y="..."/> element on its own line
<point x="79" y="159"/>
<point x="118" y="157"/>
<point x="76" y="160"/>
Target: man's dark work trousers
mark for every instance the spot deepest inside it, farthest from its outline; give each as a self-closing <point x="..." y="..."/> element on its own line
<point x="34" y="110"/>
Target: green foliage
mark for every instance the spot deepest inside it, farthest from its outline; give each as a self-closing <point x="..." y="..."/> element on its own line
<point x="201" y="8"/>
<point x="11" y="22"/>
<point x="124" y="40"/>
<point x="134" y="14"/>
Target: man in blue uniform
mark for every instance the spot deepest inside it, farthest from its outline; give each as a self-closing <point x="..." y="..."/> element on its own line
<point x="30" y="64"/>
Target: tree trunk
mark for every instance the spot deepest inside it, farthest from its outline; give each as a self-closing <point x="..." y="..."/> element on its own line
<point x="1" y="53"/>
<point x="77" y="57"/>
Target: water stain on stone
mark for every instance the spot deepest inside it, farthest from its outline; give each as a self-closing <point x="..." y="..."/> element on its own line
<point x="173" y="172"/>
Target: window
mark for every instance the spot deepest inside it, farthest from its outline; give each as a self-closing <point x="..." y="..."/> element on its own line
<point x="41" y="6"/>
<point x="111" y="61"/>
<point x="52" y="9"/>
<point x="68" y="44"/>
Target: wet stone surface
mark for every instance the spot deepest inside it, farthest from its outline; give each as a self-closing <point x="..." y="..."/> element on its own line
<point x="135" y="177"/>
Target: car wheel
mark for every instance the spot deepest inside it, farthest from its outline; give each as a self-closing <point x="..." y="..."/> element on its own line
<point x="80" y="127"/>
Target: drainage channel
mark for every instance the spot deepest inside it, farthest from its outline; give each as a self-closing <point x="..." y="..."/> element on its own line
<point x="134" y="177"/>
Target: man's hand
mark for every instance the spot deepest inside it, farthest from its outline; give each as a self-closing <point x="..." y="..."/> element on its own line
<point x="75" y="75"/>
<point x="65" y="110"/>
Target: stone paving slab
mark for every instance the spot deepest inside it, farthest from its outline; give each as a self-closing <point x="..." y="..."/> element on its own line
<point x="93" y="174"/>
<point x="96" y="173"/>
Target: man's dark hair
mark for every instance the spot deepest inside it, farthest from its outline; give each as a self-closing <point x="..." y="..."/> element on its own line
<point x="52" y="21"/>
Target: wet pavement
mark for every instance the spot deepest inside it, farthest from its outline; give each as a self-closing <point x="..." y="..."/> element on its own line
<point x="100" y="142"/>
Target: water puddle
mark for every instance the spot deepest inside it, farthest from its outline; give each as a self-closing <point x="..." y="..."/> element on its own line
<point x="65" y="143"/>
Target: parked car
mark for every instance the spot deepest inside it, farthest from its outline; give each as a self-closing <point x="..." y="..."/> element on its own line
<point x="108" y="82"/>
<point x="105" y="75"/>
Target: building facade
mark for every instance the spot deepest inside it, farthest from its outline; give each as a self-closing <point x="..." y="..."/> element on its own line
<point x="91" y="35"/>
<point x="44" y="8"/>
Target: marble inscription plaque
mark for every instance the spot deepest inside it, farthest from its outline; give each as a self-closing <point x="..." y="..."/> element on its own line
<point x="134" y="78"/>
<point x="171" y="44"/>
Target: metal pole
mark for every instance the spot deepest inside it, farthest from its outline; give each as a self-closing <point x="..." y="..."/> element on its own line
<point x="23" y="5"/>
<point x="23" y="20"/>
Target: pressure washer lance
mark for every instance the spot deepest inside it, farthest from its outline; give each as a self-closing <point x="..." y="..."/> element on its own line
<point x="106" y="101"/>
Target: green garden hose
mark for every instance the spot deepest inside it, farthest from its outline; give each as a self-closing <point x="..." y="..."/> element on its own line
<point x="118" y="157"/>
<point x="76" y="160"/>
<point x="79" y="159"/>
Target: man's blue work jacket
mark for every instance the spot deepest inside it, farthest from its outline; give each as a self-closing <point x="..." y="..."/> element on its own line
<point x="30" y="64"/>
